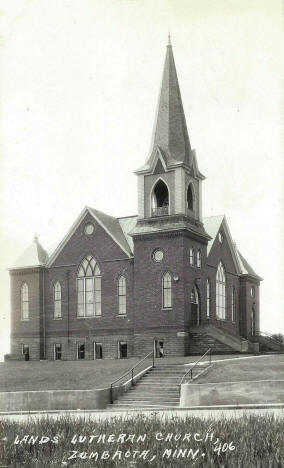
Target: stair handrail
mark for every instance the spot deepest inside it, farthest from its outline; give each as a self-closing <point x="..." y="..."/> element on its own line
<point x="132" y="373"/>
<point x="195" y="364"/>
<point x="269" y="336"/>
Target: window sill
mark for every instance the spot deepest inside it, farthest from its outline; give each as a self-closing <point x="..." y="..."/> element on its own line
<point x="57" y="318"/>
<point x="121" y="315"/>
<point x="89" y="317"/>
<point x="165" y="309"/>
<point x="25" y="320"/>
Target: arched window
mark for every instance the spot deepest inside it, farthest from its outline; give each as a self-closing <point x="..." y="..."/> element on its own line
<point x="167" y="290"/>
<point x="89" y="288"/>
<point x="208" y="298"/>
<point x="198" y="259"/>
<point x="57" y="300"/>
<point x="191" y="256"/>
<point x="121" y="296"/>
<point x="220" y="293"/>
<point x="160" y="199"/>
<point x="25" y="302"/>
<point x="233" y="304"/>
<point x="189" y="197"/>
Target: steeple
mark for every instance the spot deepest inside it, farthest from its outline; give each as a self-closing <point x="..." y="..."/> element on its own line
<point x="170" y="131"/>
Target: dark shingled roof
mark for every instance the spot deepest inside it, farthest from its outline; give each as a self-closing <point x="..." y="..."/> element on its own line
<point x="170" y="131"/>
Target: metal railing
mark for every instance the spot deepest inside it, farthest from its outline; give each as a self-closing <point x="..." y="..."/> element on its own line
<point x="267" y="335"/>
<point x="190" y="371"/>
<point x="131" y="371"/>
<point x="160" y="211"/>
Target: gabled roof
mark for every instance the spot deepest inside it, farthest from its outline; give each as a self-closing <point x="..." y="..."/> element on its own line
<point x="212" y="225"/>
<point x="33" y="256"/>
<point x="110" y="224"/>
<point x="127" y="224"/>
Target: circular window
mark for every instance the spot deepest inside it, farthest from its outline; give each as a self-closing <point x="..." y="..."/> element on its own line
<point x="221" y="238"/>
<point x="252" y="291"/>
<point x="89" y="229"/>
<point x="158" y="255"/>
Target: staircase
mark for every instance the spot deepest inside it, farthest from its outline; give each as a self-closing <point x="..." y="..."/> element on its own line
<point x="267" y="342"/>
<point x="157" y="389"/>
<point x="219" y="340"/>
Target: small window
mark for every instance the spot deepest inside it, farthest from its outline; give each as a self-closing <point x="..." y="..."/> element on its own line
<point x="167" y="290"/>
<point x="252" y="291"/>
<point x="189" y="197"/>
<point x="57" y="352"/>
<point x="26" y="352"/>
<point x="122" y="295"/>
<point x="220" y="237"/>
<point x="158" y="255"/>
<point x="208" y="298"/>
<point x="25" y="302"/>
<point x="198" y="259"/>
<point x="122" y="349"/>
<point x="81" y="351"/>
<point x="191" y="256"/>
<point x="57" y="300"/>
<point x="89" y="229"/>
<point x="98" y="351"/>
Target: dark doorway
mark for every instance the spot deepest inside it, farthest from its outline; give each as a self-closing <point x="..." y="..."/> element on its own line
<point x="122" y="350"/>
<point x="159" y="348"/>
<point x="81" y="351"/>
<point x="57" y="352"/>
<point x="26" y="352"/>
<point x="98" y="351"/>
<point x="195" y="306"/>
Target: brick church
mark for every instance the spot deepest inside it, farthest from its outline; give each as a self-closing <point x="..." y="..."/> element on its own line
<point x="166" y="280"/>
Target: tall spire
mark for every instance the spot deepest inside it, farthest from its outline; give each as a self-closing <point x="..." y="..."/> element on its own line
<point x="170" y="131"/>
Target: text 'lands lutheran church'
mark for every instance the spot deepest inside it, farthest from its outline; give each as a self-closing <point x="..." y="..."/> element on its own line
<point x="167" y="279"/>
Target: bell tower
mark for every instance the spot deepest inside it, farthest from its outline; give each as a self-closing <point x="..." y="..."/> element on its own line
<point x="169" y="184"/>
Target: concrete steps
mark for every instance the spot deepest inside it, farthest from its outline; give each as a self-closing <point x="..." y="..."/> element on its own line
<point x="158" y="388"/>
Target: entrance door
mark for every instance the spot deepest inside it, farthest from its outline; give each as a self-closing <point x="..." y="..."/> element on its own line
<point x="26" y="352"/>
<point x="159" y="348"/>
<point x="122" y="350"/>
<point x="195" y="307"/>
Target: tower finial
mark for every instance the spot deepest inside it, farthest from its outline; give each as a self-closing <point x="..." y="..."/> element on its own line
<point x="35" y="237"/>
<point x="169" y="39"/>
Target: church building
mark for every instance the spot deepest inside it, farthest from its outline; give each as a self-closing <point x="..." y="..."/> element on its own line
<point x="168" y="279"/>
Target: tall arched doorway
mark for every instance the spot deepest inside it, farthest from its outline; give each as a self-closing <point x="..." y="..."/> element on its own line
<point x="195" y="306"/>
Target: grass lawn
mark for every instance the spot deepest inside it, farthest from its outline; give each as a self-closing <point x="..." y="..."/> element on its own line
<point x="76" y="375"/>
<point x="270" y="367"/>
<point x="60" y="375"/>
<point x="70" y="375"/>
<point x="248" y="442"/>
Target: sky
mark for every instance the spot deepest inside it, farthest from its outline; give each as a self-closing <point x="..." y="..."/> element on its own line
<point x="79" y="87"/>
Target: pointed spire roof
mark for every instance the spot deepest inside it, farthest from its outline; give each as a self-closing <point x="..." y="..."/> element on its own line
<point x="33" y="256"/>
<point x="170" y="131"/>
